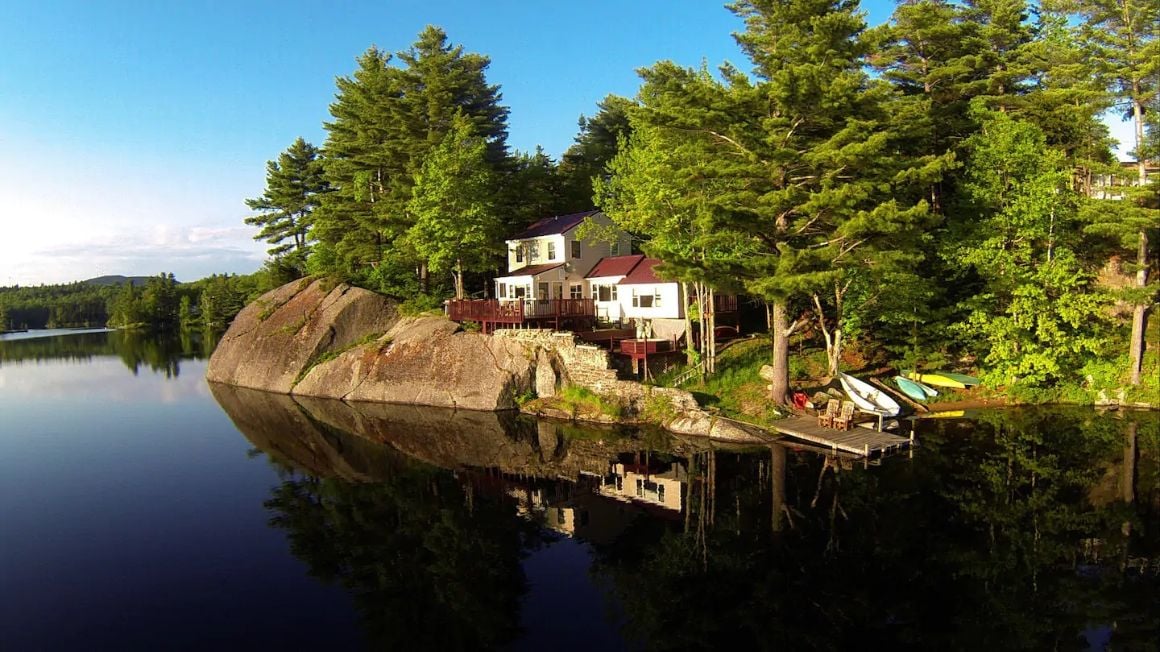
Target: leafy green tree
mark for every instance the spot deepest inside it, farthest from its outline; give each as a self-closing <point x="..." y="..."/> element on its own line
<point x="1040" y="314"/>
<point x="294" y="185"/>
<point x="1122" y="44"/>
<point x="456" y="228"/>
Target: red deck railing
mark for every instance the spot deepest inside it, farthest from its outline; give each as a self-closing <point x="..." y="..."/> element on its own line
<point x="518" y="312"/>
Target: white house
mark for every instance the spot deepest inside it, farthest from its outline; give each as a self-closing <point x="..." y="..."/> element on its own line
<point x="549" y="261"/>
<point x="603" y="286"/>
<point x="644" y="295"/>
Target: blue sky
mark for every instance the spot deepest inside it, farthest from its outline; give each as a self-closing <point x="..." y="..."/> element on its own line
<point x="131" y="132"/>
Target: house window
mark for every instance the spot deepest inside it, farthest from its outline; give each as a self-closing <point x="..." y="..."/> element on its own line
<point x="533" y="251"/>
<point x="606" y="293"/>
<point x="649" y="300"/>
<point x="543" y="294"/>
<point x="575" y="248"/>
<point x="614" y="293"/>
<point x="551" y="251"/>
<point x="520" y="291"/>
<point x="614" y="248"/>
<point x="519" y="253"/>
<point x="640" y="487"/>
<point x="577" y="291"/>
<point x="595" y="292"/>
<point x="661" y="493"/>
<point x="502" y="294"/>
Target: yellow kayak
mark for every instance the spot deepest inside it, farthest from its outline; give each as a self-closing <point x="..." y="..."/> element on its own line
<point x="945" y="414"/>
<point x="937" y="380"/>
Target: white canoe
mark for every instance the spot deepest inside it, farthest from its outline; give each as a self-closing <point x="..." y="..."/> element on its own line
<point x="867" y="397"/>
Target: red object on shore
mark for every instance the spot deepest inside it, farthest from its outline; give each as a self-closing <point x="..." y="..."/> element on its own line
<point x="800" y="400"/>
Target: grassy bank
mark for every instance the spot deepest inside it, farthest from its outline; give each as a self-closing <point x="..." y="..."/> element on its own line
<point x="738" y="390"/>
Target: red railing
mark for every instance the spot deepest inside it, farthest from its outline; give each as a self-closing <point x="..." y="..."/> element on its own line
<point x="552" y="308"/>
<point x="482" y="310"/>
<point x="516" y="312"/>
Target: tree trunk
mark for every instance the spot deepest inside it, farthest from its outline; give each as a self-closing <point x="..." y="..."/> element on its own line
<point x="777" y="480"/>
<point x="459" y="291"/>
<point x="833" y="340"/>
<point x="780" y="362"/>
<point x="1139" y="311"/>
<point x="1131" y="456"/>
<point x="688" y="323"/>
<point x="711" y="331"/>
<point x="424" y="281"/>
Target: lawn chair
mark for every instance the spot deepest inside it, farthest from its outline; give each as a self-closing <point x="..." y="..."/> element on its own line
<point x="826" y="418"/>
<point x="845" y="416"/>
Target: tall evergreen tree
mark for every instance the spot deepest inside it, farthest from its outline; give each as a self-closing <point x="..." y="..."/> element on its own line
<point x="455" y="228"/>
<point x="530" y="188"/>
<point x="294" y="185"/>
<point x="386" y="120"/>
<point x="595" y="145"/>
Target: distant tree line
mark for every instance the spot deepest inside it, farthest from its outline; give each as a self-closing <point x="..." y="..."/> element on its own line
<point x="926" y="189"/>
<point x="159" y="304"/>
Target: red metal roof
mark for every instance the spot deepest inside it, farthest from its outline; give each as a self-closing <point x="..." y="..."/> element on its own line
<point x="615" y="265"/>
<point x="645" y="272"/>
<point x="532" y="270"/>
<point x="553" y="225"/>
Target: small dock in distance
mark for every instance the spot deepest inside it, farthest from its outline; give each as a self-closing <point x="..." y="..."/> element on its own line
<point x="860" y="441"/>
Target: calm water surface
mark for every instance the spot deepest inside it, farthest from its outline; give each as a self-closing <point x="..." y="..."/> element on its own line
<point x="141" y="508"/>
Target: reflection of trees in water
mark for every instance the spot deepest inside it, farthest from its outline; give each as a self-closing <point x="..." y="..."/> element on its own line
<point x="978" y="543"/>
<point x="1020" y="531"/>
<point x="158" y="352"/>
<point x="429" y="564"/>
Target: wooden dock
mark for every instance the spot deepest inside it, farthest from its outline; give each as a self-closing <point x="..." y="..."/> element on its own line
<point x="860" y="441"/>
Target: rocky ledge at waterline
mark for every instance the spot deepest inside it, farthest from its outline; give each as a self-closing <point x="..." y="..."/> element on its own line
<point x="311" y="338"/>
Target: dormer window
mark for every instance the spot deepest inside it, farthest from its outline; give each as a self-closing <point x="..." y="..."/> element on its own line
<point x="551" y="251"/>
<point x="519" y="253"/>
<point x="533" y="251"/>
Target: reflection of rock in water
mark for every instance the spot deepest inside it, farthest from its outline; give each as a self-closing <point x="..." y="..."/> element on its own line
<point x="280" y="427"/>
<point x="331" y="438"/>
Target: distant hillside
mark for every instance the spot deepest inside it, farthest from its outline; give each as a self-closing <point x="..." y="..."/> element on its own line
<point x="116" y="279"/>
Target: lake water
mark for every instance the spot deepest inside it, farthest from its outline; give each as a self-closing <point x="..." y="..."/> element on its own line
<point x="141" y="508"/>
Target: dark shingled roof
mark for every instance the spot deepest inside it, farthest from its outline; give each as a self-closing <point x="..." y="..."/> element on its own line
<point x="553" y="225"/>
<point x="615" y="266"/>
<point x="532" y="270"/>
<point x="645" y="272"/>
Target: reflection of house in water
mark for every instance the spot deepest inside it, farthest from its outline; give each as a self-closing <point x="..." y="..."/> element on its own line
<point x="637" y="482"/>
<point x="598" y="508"/>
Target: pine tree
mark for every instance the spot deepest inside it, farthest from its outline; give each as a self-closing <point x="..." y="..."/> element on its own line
<point x="294" y="185"/>
<point x="386" y="120"/>
<point x="530" y="188"/>
<point x="595" y="145"/>
<point x="455" y="228"/>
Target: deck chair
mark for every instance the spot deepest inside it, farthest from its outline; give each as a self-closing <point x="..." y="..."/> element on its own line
<point x="845" y="416"/>
<point x="826" y="418"/>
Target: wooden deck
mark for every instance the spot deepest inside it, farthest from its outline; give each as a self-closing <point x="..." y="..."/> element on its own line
<point x="491" y="312"/>
<point x="861" y="441"/>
